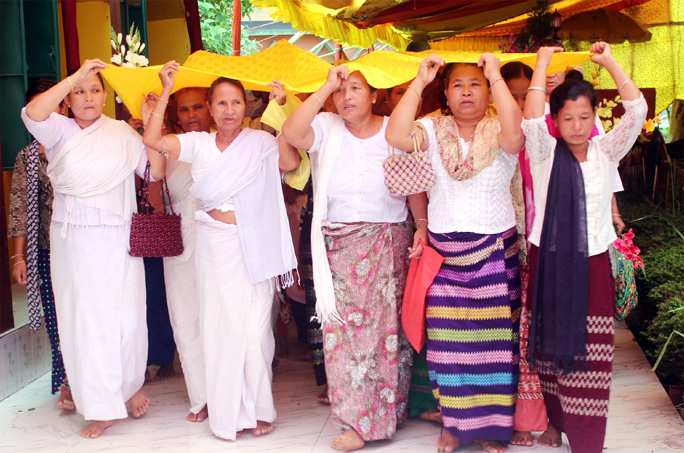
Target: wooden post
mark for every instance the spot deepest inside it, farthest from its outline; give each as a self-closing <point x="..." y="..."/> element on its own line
<point x="338" y="52"/>
<point x="6" y="310"/>
<point x="237" y="26"/>
<point x="192" y="20"/>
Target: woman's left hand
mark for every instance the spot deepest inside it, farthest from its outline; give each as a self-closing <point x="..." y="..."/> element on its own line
<point x="491" y="66"/>
<point x="278" y="93"/>
<point x="601" y="53"/>
<point x="417" y="250"/>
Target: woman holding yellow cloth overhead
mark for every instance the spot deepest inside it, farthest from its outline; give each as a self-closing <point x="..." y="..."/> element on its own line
<point x="473" y="304"/>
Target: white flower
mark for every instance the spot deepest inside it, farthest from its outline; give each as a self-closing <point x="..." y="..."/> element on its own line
<point x="136" y="47"/>
<point x="129" y="41"/>
<point x="116" y="59"/>
<point x="142" y="46"/>
<point x="130" y="56"/>
<point x="365" y="425"/>
<point x="330" y="341"/>
<point x="118" y="37"/>
<point x="128" y="65"/>
<point x="392" y="343"/>
<point x="363" y="267"/>
<point x="143" y="61"/>
<point x="123" y="49"/>
<point x="388" y="395"/>
<point x="113" y="44"/>
<point x="356" y="318"/>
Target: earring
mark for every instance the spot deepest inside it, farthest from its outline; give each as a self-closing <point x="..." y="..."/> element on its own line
<point x="373" y="102"/>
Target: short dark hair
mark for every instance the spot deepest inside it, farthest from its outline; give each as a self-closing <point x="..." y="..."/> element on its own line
<point x="236" y="83"/>
<point x="99" y="76"/>
<point x="515" y="70"/>
<point x="574" y="74"/>
<point x="39" y="86"/>
<point x="450" y="68"/>
<point x="572" y="89"/>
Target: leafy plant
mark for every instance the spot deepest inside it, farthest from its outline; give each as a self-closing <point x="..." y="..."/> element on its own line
<point x="216" y="19"/>
<point x="130" y="55"/>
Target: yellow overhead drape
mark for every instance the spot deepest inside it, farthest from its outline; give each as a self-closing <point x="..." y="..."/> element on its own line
<point x="298" y="70"/>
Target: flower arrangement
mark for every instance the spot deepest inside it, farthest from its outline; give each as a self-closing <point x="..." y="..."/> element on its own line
<point x="129" y="55"/>
<point x="628" y="249"/>
<point x="513" y="46"/>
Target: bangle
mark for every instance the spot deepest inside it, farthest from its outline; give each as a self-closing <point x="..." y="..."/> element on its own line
<point x="321" y="102"/>
<point x="163" y="100"/>
<point x="18" y="262"/>
<point x="420" y="96"/>
<point x="164" y="153"/>
<point x="624" y="83"/>
<point x="71" y="83"/>
<point x="422" y="130"/>
<point x="417" y="221"/>
<point x="158" y="114"/>
<point x="494" y="82"/>
<point x="617" y="215"/>
<point x="543" y="90"/>
<point x="14" y="256"/>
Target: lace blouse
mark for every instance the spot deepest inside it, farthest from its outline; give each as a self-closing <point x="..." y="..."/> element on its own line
<point x="603" y="157"/>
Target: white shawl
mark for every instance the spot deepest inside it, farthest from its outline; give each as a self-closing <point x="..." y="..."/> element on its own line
<point x="92" y="164"/>
<point x="247" y="171"/>
<point x="332" y="127"/>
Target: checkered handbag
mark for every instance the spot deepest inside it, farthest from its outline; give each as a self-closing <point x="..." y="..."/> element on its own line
<point x="408" y="174"/>
<point x="155" y="235"/>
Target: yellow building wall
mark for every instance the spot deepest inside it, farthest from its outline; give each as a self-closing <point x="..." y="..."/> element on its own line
<point x="168" y="40"/>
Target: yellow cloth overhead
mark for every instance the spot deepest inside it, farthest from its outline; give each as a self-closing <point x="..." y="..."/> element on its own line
<point x="298" y="70"/>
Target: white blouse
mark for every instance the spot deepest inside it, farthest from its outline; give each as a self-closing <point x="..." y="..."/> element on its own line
<point x="603" y="157"/>
<point x="356" y="191"/>
<point x="481" y="204"/>
<point x="53" y="133"/>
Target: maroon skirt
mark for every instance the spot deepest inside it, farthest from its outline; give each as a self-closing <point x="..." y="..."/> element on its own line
<point x="577" y="403"/>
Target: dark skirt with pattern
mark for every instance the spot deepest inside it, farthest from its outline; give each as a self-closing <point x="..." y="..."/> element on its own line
<point x="577" y="403"/>
<point x="473" y="312"/>
<point x="47" y="297"/>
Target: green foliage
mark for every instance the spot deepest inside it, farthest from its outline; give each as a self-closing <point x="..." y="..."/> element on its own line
<point x="537" y="27"/>
<point x="216" y="19"/>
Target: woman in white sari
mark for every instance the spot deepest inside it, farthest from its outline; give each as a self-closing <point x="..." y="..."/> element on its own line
<point x="243" y="244"/>
<point x="99" y="288"/>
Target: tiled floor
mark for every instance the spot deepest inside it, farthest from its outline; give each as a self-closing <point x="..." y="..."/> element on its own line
<point x="641" y="419"/>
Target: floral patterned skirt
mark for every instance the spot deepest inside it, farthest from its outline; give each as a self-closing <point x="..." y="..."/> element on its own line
<point x="368" y="359"/>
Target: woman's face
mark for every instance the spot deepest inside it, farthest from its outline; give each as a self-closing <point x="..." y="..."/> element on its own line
<point x="193" y="111"/>
<point x="227" y="107"/>
<point x="86" y="101"/>
<point x="353" y="98"/>
<point x="518" y="88"/>
<point x="397" y="93"/>
<point x="467" y="92"/>
<point x="575" y="121"/>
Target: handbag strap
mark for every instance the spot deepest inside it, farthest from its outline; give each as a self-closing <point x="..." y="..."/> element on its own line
<point x="416" y="146"/>
<point x="145" y="206"/>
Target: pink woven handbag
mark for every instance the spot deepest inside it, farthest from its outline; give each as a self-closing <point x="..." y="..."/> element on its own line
<point x="155" y="235"/>
<point x="408" y="174"/>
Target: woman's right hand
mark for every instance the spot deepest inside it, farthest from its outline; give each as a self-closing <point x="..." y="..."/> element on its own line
<point x="19" y="272"/>
<point x="428" y="69"/>
<point x="336" y="75"/>
<point x="88" y="69"/>
<point x="545" y="54"/>
<point x="166" y="75"/>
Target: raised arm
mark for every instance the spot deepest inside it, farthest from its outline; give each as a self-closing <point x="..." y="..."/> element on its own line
<point x="45" y="103"/>
<point x="536" y="93"/>
<point x="511" y="137"/>
<point x="401" y="123"/>
<point x="602" y="54"/>
<point x="152" y="138"/>
<point x="297" y="128"/>
<point x="289" y="156"/>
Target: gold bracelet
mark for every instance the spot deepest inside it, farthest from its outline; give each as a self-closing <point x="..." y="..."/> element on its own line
<point x="163" y="100"/>
<point x="417" y="221"/>
<point x="321" y="102"/>
<point x="420" y="96"/>
<point x="18" y="262"/>
<point x="617" y="215"/>
<point x="158" y="114"/>
<point x="73" y="87"/>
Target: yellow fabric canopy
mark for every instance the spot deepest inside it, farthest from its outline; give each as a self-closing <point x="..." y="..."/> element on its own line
<point x="298" y="70"/>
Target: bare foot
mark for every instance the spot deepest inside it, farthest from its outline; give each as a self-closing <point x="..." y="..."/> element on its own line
<point x="165" y="372"/>
<point x="139" y="403"/>
<point x="492" y="446"/>
<point x="348" y="441"/>
<point x="238" y="434"/>
<point x="262" y="428"/>
<point x="95" y="429"/>
<point x="323" y="396"/>
<point x="447" y="442"/>
<point x="523" y="438"/>
<point x="66" y="401"/>
<point x="198" y="417"/>
<point x="432" y="415"/>
<point x="550" y="438"/>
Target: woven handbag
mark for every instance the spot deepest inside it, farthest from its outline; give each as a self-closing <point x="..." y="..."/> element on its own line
<point x="155" y="235"/>
<point x="626" y="295"/>
<point x="408" y="174"/>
